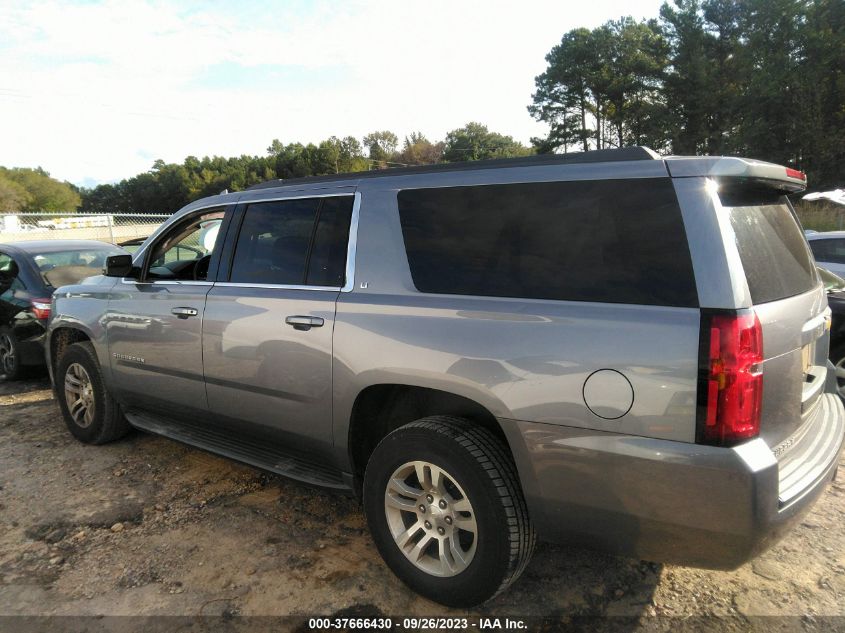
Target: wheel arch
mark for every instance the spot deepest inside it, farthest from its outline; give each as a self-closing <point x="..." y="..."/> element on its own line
<point x="60" y="336"/>
<point x="380" y="408"/>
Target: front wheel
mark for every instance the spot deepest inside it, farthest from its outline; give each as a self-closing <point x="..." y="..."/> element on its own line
<point x="446" y="510"/>
<point x="90" y="412"/>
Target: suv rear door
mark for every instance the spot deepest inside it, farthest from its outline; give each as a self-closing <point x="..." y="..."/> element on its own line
<point x="267" y="333"/>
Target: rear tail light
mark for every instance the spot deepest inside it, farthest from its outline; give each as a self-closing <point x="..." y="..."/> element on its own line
<point x="41" y="308"/>
<point x="732" y="378"/>
<point x="794" y="173"/>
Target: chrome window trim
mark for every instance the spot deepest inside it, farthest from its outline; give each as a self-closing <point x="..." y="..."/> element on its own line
<point x="232" y="284"/>
<point x="165" y="282"/>
<point x="352" y="247"/>
<point x="306" y="197"/>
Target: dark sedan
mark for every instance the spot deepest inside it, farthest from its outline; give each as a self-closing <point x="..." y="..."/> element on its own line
<point x="835" y="286"/>
<point x="29" y="273"/>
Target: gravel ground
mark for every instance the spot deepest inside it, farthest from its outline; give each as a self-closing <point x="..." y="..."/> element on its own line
<point x="148" y="526"/>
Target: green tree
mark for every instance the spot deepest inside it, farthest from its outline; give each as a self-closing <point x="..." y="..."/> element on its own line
<point x="43" y="193"/>
<point x="821" y="69"/>
<point x="603" y="88"/>
<point x="726" y="81"/>
<point x="381" y="145"/>
<point x="769" y="58"/>
<point x="564" y="92"/>
<point x="475" y="142"/>
<point x="635" y="64"/>
<point x="418" y="150"/>
<point x="689" y="82"/>
<point x="337" y="156"/>
<point x="13" y="197"/>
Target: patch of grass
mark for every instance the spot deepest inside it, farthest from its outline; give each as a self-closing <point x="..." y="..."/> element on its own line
<point x="821" y="215"/>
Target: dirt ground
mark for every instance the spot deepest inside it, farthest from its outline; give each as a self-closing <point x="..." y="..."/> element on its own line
<point x="149" y="526"/>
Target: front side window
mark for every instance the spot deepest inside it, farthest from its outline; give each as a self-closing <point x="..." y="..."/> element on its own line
<point x="299" y="242"/>
<point x="184" y="253"/>
<point x="615" y="241"/>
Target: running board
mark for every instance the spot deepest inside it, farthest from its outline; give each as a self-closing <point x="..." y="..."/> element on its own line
<point x="253" y="452"/>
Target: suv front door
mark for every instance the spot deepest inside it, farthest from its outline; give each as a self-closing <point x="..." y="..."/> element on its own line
<point x="267" y="333"/>
<point x="154" y="323"/>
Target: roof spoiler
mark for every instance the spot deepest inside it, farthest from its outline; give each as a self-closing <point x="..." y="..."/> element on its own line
<point x="770" y="175"/>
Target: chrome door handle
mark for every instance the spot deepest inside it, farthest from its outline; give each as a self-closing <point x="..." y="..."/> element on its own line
<point x="184" y="313"/>
<point x="304" y="322"/>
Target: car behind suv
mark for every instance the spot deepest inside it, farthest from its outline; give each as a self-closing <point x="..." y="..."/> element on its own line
<point x="829" y="250"/>
<point x="607" y="348"/>
<point x="29" y="273"/>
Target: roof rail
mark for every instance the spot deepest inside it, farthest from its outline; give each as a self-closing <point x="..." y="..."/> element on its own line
<point x="595" y="156"/>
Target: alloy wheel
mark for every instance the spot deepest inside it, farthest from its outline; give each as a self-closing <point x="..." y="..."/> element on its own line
<point x="431" y="518"/>
<point x="79" y="395"/>
<point x="7" y="354"/>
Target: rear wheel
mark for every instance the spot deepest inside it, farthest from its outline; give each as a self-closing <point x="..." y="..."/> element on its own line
<point x="10" y="359"/>
<point x="90" y="412"/>
<point x="446" y="511"/>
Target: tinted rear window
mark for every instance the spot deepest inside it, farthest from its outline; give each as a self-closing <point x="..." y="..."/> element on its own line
<point x="618" y="241"/>
<point x="327" y="265"/>
<point x="772" y="248"/>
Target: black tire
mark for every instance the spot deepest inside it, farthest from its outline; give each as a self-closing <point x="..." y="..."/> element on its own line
<point x="837" y="357"/>
<point x="10" y="356"/>
<point x="107" y="422"/>
<point x="480" y="464"/>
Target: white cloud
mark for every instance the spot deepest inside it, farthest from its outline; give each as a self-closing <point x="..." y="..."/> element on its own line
<point x="91" y="91"/>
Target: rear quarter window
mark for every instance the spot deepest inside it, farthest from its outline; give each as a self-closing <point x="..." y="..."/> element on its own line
<point x="772" y="247"/>
<point x="615" y="241"/>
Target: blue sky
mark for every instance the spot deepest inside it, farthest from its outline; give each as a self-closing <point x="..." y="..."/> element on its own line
<point x="96" y="91"/>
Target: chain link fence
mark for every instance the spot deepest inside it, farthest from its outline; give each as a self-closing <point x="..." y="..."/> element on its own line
<point x="115" y="228"/>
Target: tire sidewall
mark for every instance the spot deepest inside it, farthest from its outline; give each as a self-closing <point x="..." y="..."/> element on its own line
<point x="837" y="353"/>
<point x="16" y="371"/>
<point x="77" y="354"/>
<point x="483" y="577"/>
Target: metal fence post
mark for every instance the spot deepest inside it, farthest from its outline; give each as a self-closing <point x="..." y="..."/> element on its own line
<point x="111" y="228"/>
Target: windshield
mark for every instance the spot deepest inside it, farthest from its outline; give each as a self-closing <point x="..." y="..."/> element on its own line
<point x="61" y="268"/>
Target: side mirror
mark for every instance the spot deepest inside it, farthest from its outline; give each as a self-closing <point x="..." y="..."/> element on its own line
<point x="118" y="266"/>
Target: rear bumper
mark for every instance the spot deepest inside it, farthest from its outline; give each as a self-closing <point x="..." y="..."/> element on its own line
<point x="662" y="500"/>
<point x="32" y="351"/>
<point x="31" y="343"/>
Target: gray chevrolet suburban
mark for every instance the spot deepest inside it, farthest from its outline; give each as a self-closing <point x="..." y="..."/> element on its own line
<point x="609" y="348"/>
